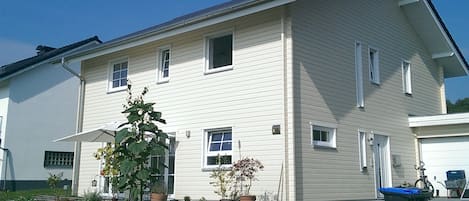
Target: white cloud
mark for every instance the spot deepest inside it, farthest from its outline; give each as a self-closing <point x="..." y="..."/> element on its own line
<point x="15" y="50"/>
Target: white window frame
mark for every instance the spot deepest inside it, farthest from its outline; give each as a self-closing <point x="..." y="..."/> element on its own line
<point x="160" y="56"/>
<point x="359" y="75"/>
<point x="362" y="149"/>
<point x="407" y="77"/>
<point x="373" y="64"/>
<point x="111" y="64"/>
<point x="206" y="149"/>
<point x="207" y="58"/>
<point x="332" y="134"/>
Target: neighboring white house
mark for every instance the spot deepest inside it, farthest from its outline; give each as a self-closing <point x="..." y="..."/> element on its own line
<point x="339" y="78"/>
<point x="38" y="103"/>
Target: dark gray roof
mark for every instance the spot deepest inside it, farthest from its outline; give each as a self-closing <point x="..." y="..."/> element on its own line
<point x="210" y="11"/>
<point x="9" y="69"/>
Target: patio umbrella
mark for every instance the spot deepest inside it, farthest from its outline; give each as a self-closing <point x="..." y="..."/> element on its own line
<point x="104" y="133"/>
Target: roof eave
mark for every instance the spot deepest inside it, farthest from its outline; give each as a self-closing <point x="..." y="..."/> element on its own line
<point x="178" y="28"/>
<point x="53" y="59"/>
<point x="447" y="35"/>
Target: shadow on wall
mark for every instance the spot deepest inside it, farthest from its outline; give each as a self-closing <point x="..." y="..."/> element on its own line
<point x="37" y="81"/>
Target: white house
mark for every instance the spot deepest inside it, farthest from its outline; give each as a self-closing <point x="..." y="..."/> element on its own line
<point x="339" y="78"/>
<point x="38" y="103"/>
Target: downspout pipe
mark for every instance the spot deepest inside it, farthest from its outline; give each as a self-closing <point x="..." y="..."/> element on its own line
<point x="5" y="151"/>
<point x="79" y="127"/>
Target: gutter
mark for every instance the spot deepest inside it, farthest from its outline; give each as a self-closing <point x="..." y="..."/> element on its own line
<point x="79" y="127"/>
<point x="252" y="6"/>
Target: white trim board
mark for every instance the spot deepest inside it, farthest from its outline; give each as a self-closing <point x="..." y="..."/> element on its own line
<point x="439" y="120"/>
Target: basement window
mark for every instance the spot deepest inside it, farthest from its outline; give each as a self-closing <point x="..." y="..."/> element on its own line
<point x="56" y="159"/>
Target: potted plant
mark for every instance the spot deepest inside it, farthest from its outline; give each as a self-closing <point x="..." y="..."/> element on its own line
<point x="158" y="192"/>
<point x="244" y="171"/>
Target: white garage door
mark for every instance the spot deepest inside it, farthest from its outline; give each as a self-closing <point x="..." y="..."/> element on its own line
<point x="443" y="154"/>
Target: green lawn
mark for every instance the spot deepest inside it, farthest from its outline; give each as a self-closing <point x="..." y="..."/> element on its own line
<point x="29" y="194"/>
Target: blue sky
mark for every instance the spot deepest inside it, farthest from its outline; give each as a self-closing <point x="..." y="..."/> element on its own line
<point x="26" y="24"/>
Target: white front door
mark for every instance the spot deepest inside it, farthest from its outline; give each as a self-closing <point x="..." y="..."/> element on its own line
<point x="166" y="163"/>
<point x="382" y="162"/>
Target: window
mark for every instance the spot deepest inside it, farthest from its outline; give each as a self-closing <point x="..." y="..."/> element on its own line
<point x="56" y="159"/>
<point x="163" y="64"/>
<point x="323" y="136"/>
<point x="374" y="65"/>
<point x="218" y="148"/>
<point x="406" y="77"/>
<point x="359" y="75"/>
<point x="118" y="77"/>
<point x="362" y="149"/>
<point x="219" y="52"/>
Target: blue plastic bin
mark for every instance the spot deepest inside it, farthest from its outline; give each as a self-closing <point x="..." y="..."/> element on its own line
<point x="405" y="194"/>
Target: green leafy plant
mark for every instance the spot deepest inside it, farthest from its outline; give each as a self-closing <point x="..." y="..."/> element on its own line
<point x="202" y="199"/>
<point x="222" y="179"/>
<point x="137" y="140"/>
<point x="92" y="196"/>
<point x="187" y="198"/>
<point x="53" y="181"/>
<point x="110" y="164"/>
<point x="22" y="198"/>
<point x="244" y="172"/>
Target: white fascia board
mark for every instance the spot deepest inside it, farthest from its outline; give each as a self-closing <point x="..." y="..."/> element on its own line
<point x="136" y="41"/>
<point x="445" y="35"/>
<point x="439" y="120"/>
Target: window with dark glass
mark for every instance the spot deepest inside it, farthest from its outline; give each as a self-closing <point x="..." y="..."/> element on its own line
<point x="220" y="51"/>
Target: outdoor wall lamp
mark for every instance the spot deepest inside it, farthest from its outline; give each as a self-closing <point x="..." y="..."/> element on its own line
<point x="188" y="133"/>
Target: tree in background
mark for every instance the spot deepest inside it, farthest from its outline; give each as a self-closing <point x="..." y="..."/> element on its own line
<point x="461" y="105"/>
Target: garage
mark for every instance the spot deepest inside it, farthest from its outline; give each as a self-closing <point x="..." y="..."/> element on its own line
<point x="443" y="144"/>
<point x="443" y="154"/>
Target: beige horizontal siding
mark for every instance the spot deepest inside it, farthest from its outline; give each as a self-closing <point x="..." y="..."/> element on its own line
<point x="247" y="98"/>
<point x="324" y="34"/>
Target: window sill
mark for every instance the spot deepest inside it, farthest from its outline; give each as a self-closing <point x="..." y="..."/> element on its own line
<point x="162" y="81"/>
<point x="117" y="89"/>
<point x="219" y="69"/>
<point x="323" y="146"/>
<point x="210" y="169"/>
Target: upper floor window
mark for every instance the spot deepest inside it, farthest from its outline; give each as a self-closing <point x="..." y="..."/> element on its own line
<point x="359" y="75"/>
<point x="218" y="150"/>
<point x="323" y="135"/>
<point x="219" y="52"/>
<point x="163" y="64"/>
<point x="374" y="65"/>
<point x="406" y="77"/>
<point x="118" y="75"/>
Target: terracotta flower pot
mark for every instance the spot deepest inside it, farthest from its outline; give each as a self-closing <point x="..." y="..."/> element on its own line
<point x="247" y="198"/>
<point x="159" y="197"/>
